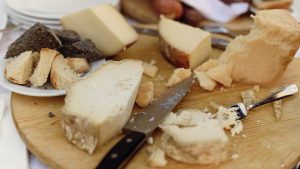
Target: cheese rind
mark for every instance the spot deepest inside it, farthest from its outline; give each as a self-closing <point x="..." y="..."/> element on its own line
<point x="104" y="25"/>
<point x="262" y="56"/>
<point x="96" y="108"/>
<point x="184" y="45"/>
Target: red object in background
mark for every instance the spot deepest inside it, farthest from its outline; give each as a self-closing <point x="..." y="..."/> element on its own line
<point x="170" y="8"/>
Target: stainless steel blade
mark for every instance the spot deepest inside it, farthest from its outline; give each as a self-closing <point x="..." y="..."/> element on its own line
<point x="149" y="118"/>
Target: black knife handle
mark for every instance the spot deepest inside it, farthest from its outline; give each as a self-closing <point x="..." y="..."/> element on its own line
<point x="123" y="151"/>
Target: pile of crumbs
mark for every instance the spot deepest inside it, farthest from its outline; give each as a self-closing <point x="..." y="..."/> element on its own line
<point x="228" y="118"/>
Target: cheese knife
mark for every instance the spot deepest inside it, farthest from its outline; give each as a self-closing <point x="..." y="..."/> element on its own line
<point x="140" y="127"/>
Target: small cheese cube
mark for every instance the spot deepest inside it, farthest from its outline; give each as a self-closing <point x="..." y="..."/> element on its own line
<point x="145" y="94"/>
<point x="149" y="69"/>
<point x="178" y="75"/>
<point x="204" y="81"/>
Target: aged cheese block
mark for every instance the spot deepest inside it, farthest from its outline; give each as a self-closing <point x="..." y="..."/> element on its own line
<point x="19" y="68"/>
<point x="97" y="107"/>
<point x="262" y="56"/>
<point x="104" y="25"/>
<point x="184" y="45"/>
<point x="192" y="136"/>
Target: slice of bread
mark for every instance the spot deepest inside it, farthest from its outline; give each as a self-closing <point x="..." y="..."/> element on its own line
<point x="97" y="107"/>
<point x="62" y="76"/>
<point x="19" y="68"/>
<point x="41" y="72"/>
<point x="272" y="4"/>
<point x="36" y="58"/>
<point x="78" y="65"/>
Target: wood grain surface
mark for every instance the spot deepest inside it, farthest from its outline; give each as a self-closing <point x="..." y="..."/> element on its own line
<point x="264" y="143"/>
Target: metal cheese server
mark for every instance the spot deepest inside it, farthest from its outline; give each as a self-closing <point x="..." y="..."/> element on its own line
<point x="140" y="127"/>
<point x="242" y="109"/>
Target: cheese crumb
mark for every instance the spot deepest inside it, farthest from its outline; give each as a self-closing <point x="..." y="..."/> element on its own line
<point x="228" y="118"/>
<point x="235" y="156"/>
<point x="256" y="88"/>
<point x="243" y="135"/>
<point x="153" y="62"/>
<point x="150" y="140"/>
<point x="277" y="108"/>
<point x="248" y="97"/>
<point x="178" y="75"/>
<point x="157" y="157"/>
<point x="149" y="69"/>
<point x="145" y="94"/>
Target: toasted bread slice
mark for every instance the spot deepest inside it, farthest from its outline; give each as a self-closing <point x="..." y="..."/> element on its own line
<point x="19" y="68"/>
<point x="78" y="65"/>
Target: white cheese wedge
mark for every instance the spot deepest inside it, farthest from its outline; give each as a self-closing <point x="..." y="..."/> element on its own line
<point x="183" y="45"/>
<point x="104" y="25"/>
<point x="193" y="137"/>
<point x="96" y="108"/>
<point x="262" y="56"/>
<point x="19" y="68"/>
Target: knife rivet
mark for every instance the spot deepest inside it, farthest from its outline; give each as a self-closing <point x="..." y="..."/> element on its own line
<point x="114" y="156"/>
<point x="128" y="140"/>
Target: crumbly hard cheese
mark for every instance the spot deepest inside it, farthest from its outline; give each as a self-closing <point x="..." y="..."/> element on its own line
<point x="157" y="157"/>
<point x="109" y="30"/>
<point x="228" y="118"/>
<point x="61" y="75"/>
<point x="278" y="109"/>
<point x="197" y="138"/>
<point x="262" y="56"/>
<point x="96" y="108"/>
<point x="221" y="74"/>
<point x="19" y="68"/>
<point x="178" y="75"/>
<point x="211" y="63"/>
<point x="248" y="97"/>
<point x="204" y="81"/>
<point x="145" y="94"/>
<point x="150" y="69"/>
<point x="41" y="72"/>
<point x="184" y="45"/>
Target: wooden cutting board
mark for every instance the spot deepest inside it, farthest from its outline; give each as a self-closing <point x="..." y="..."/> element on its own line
<point x="264" y="143"/>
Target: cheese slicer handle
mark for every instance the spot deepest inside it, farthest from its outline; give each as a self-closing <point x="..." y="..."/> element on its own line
<point x="123" y="151"/>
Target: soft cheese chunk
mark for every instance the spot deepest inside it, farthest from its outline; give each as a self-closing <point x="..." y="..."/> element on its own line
<point x="262" y="56"/>
<point x="149" y="69"/>
<point x="194" y="137"/>
<point x="183" y="45"/>
<point x="96" y="108"/>
<point x="104" y="25"/>
<point x="19" y="68"/>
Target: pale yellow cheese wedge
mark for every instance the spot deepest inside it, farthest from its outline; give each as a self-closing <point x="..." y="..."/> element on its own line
<point x="104" y="25"/>
<point x="184" y="45"/>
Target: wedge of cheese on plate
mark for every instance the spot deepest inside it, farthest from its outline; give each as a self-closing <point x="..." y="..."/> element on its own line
<point x="104" y="25"/>
<point x="96" y="108"/>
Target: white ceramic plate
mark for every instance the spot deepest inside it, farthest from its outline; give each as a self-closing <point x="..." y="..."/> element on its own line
<point x="45" y="91"/>
<point x="3" y="20"/>
<point x="27" y="24"/>
<point x="15" y="14"/>
<point x="51" y="9"/>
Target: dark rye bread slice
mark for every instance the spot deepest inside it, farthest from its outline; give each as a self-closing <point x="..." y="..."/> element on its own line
<point x="34" y="39"/>
<point x="81" y="49"/>
<point x="67" y="36"/>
